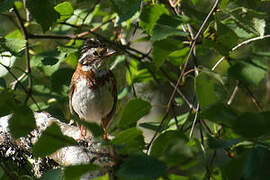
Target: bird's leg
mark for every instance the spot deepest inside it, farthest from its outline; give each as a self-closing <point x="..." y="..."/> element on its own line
<point x="83" y="134"/>
<point x="104" y="125"/>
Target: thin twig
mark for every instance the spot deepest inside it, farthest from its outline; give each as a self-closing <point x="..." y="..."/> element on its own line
<point x="233" y="94"/>
<point x="203" y="123"/>
<point x="194" y="121"/>
<point x="182" y="72"/>
<point x="202" y="139"/>
<point x="102" y="24"/>
<point x="14" y="83"/>
<point x="178" y="90"/>
<point x="27" y="56"/>
<point x="240" y="45"/>
<point x="132" y="85"/>
<point x="19" y="83"/>
<point x="175" y="118"/>
<point x="253" y="98"/>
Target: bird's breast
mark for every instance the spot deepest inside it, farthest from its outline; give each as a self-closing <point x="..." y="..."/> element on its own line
<point x="92" y="99"/>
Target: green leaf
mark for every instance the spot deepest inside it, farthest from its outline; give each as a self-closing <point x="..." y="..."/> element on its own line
<point x="205" y="90"/>
<point x="223" y="40"/>
<point x="50" y="141"/>
<point x="214" y="143"/>
<point x="256" y="165"/>
<point x="52" y="174"/>
<point x="72" y="59"/>
<point x="65" y="10"/>
<point x="43" y="12"/>
<point x="141" y="167"/>
<point x="124" y="92"/>
<point x="234" y="168"/>
<point x="219" y="113"/>
<point x="7" y="103"/>
<point x="76" y="171"/>
<point x="149" y="16"/>
<point x="171" y="147"/>
<point x="12" y="45"/>
<point x="7" y="60"/>
<point x="6" y="5"/>
<point x="126" y="9"/>
<point x="45" y="59"/>
<point x="259" y="25"/>
<point x="167" y="26"/>
<point x="247" y="124"/>
<point x="16" y="34"/>
<point x="133" y="111"/>
<point x="177" y="177"/>
<point x="105" y="177"/>
<point x="49" y="61"/>
<point x="137" y="73"/>
<point x="252" y="125"/>
<point x="95" y="129"/>
<point x="226" y="39"/>
<point x="248" y="72"/>
<point x="3" y="83"/>
<point x="163" y="48"/>
<point x="129" y="141"/>
<point x="67" y="49"/>
<point x="60" y="84"/>
<point x="22" y="121"/>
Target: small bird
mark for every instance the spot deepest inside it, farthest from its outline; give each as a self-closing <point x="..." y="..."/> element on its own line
<point x="93" y="91"/>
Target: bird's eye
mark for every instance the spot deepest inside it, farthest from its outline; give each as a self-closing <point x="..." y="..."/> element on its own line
<point x="95" y="53"/>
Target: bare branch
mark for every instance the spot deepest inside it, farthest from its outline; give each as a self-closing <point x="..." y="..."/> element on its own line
<point x="20" y="84"/>
<point x="183" y="71"/>
<point x="246" y="42"/>
<point x="27" y="56"/>
<point x="233" y="94"/>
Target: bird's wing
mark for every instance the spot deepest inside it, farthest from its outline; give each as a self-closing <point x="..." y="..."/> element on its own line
<point x="109" y="116"/>
<point x="71" y="91"/>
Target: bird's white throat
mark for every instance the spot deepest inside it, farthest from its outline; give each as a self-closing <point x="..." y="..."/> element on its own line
<point x="99" y="67"/>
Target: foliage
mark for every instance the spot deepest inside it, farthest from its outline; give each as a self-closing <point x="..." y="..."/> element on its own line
<point x="210" y="65"/>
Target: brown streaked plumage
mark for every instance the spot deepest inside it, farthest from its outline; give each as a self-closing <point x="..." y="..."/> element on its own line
<point x="93" y="92"/>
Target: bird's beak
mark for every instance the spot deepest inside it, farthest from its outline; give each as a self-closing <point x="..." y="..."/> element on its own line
<point x="109" y="52"/>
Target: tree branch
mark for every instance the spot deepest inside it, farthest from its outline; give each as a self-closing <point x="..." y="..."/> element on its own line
<point x="19" y="82"/>
<point x="246" y="42"/>
<point x="183" y="71"/>
<point x="27" y="56"/>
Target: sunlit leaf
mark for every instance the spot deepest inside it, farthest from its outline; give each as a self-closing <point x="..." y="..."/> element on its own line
<point x="12" y="45"/>
<point x="65" y="10"/>
<point x="167" y="26"/>
<point x="105" y="177"/>
<point x="150" y="15"/>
